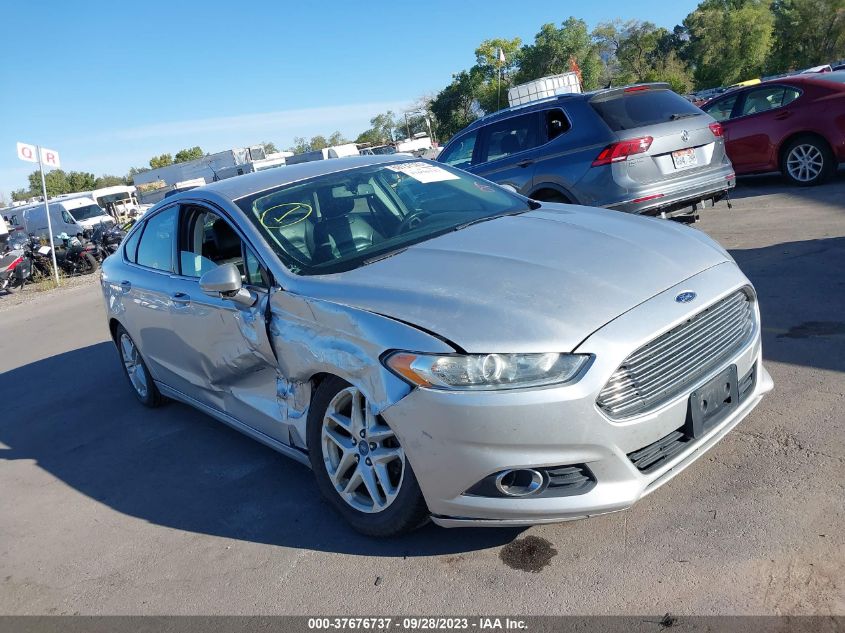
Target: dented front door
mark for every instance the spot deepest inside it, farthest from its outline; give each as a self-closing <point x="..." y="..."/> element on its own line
<point x="225" y="356"/>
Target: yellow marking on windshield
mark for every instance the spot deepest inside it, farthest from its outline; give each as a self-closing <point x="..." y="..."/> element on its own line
<point x="277" y="221"/>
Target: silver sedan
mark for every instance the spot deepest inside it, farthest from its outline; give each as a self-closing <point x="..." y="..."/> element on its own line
<point x="437" y="347"/>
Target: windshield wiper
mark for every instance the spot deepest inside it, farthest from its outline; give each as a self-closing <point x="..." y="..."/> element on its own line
<point x="682" y="115"/>
<point x="486" y="218"/>
<point x="378" y="258"/>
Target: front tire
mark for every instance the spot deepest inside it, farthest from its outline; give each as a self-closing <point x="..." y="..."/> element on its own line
<point x="807" y="161"/>
<point x="359" y="465"/>
<point x="135" y="370"/>
<point x="87" y="264"/>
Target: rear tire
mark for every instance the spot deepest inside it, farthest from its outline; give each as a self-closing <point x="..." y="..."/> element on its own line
<point x="359" y="465"/>
<point x="87" y="264"/>
<point x="807" y="161"/>
<point x="135" y="370"/>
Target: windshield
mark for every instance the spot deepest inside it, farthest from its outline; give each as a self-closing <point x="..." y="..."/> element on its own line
<point x="87" y="212"/>
<point x="343" y="220"/>
<point x="117" y="198"/>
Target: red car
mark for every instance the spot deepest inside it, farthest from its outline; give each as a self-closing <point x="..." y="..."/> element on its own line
<point x="795" y="125"/>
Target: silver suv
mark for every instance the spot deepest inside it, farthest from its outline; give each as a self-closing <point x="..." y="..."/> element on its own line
<point x="641" y="149"/>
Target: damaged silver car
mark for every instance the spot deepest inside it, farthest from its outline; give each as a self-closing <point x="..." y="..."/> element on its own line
<point x="435" y="346"/>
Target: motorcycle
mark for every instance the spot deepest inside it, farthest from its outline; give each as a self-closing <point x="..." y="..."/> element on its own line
<point x="72" y="256"/>
<point x="15" y="266"/>
<point x="106" y="240"/>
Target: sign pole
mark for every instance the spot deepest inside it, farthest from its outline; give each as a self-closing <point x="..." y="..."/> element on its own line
<point x="47" y="211"/>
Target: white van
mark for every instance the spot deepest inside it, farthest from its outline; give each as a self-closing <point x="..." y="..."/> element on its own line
<point x="71" y="216"/>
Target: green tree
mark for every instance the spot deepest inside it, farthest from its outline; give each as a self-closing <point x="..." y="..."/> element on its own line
<point x="300" y="145"/>
<point x="318" y="142"/>
<point x="456" y="106"/>
<point x="191" y="153"/>
<point x="637" y="51"/>
<point x="19" y="195"/>
<point x="55" y="180"/>
<point x="161" y="161"/>
<point x="370" y="137"/>
<point x="809" y="32"/>
<point x="269" y="147"/>
<point x="134" y="171"/>
<point x="108" y="181"/>
<point x="555" y="49"/>
<point x="729" y="40"/>
<point x="337" y="139"/>
<point x="80" y="181"/>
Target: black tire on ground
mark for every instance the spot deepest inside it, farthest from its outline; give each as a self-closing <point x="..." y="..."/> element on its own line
<point x="153" y="397"/>
<point x="804" y="148"/>
<point x="406" y="513"/>
<point x="88" y="264"/>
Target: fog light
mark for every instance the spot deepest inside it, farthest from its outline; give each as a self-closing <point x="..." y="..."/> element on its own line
<point x="519" y="483"/>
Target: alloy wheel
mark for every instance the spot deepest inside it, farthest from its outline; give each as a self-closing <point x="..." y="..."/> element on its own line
<point x="805" y="162"/>
<point x="134" y="367"/>
<point x="362" y="455"/>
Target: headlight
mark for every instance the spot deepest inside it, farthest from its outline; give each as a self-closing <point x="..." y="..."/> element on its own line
<point x="485" y="371"/>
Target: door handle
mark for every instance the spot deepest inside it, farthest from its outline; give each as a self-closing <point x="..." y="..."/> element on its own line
<point x="780" y="116"/>
<point x="525" y="163"/>
<point x="125" y="286"/>
<point x="180" y="299"/>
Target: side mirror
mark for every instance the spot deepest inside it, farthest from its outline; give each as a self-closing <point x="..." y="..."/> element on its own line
<point x="225" y="282"/>
<point x="510" y="188"/>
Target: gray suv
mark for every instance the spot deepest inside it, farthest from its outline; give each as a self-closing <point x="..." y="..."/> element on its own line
<point x="641" y="149"/>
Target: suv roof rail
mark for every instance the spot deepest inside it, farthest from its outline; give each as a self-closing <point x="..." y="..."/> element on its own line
<point x="516" y="108"/>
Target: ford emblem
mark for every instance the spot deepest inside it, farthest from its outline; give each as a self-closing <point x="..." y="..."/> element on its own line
<point x="685" y="297"/>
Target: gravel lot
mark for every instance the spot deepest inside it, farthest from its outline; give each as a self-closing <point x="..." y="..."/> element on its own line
<point x="108" y="508"/>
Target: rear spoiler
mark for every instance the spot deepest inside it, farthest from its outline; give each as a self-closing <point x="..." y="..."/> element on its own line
<point x="613" y="93"/>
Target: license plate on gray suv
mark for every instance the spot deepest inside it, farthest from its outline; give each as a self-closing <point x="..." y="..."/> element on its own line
<point x="684" y="158"/>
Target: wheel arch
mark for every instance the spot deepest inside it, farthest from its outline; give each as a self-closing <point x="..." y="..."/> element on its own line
<point x="796" y="135"/>
<point x="549" y="190"/>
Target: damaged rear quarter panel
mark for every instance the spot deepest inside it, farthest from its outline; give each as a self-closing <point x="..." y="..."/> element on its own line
<point x="312" y="336"/>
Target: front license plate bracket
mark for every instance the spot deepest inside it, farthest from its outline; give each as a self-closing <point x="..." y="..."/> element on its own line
<point x="712" y="402"/>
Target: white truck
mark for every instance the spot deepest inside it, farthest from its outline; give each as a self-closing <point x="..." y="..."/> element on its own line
<point x="69" y="215"/>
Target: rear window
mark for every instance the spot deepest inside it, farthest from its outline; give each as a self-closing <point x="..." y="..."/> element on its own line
<point x="637" y="109"/>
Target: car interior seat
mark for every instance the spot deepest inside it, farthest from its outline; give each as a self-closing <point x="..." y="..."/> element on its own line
<point x="339" y="232"/>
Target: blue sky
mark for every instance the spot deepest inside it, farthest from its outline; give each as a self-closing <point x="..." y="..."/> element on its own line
<point x="110" y="84"/>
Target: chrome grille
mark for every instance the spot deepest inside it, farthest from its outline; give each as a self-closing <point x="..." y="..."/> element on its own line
<point x="663" y="368"/>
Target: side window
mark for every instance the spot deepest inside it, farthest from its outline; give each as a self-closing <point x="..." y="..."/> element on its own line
<point x="790" y="95"/>
<point x="460" y="153"/>
<point x="130" y="247"/>
<point x="556" y="123"/>
<point x="511" y="136"/>
<point x="763" y="99"/>
<point x="67" y="217"/>
<point x="208" y="240"/>
<point x="155" y="250"/>
<point x="721" y="109"/>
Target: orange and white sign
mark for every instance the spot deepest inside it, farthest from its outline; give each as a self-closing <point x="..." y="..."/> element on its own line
<point x="49" y="157"/>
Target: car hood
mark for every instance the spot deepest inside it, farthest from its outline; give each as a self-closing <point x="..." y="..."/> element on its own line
<point x="538" y="282"/>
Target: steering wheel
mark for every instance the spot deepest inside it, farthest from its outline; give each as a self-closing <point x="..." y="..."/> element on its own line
<point x="412" y="221"/>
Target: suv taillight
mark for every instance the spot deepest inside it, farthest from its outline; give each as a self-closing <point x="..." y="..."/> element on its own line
<point x="717" y="130"/>
<point x="616" y="152"/>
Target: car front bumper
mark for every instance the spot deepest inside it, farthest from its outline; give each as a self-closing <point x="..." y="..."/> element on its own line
<point x="453" y="440"/>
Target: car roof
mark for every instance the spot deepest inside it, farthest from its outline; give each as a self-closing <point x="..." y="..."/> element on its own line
<point x="247" y="184"/>
<point x="563" y="98"/>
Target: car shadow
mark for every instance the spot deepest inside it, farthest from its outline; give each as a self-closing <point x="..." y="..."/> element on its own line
<point x="75" y="416"/>
<point x="801" y="292"/>
<point x="771" y="184"/>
